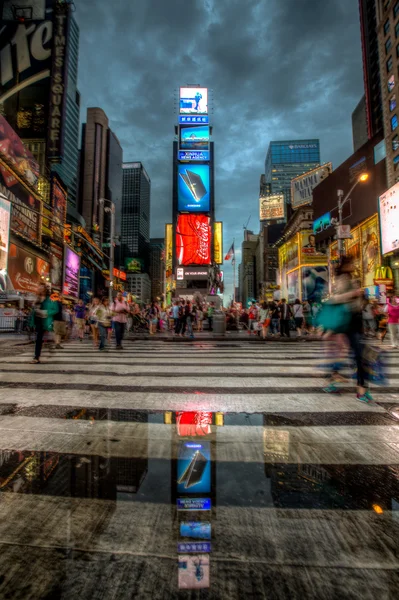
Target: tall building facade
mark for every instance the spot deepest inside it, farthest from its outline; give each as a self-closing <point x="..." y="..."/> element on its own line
<point x="136" y="199"/>
<point x="68" y="168"/>
<point x="157" y="267"/>
<point x="388" y="40"/>
<point x="288" y="159"/>
<point x="113" y="191"/>
<point x="371" y="65"/>
<point x="359" y="125"/>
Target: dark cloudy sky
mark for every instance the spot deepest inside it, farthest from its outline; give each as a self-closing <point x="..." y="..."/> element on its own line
<point x="278" y="69"/>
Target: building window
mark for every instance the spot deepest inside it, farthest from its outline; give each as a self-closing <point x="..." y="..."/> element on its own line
<point x="388" y="45"/>
<point x="389" y="64"/>
<point x="394" y="123"/>
<point x="395" y="143"/>
<point x="391" y="83"/>
<point x="396" y="10"/>
<point x="396" y="162"/>
<point x="392" y="103"/>
<point x="386" y="26"/>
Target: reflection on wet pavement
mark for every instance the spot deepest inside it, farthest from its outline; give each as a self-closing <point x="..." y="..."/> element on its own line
<point x="98" y="500"/>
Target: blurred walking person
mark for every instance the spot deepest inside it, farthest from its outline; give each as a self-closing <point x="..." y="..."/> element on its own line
<point x="80" y="319"/>
<point x="104" y="317"/>
<point x="297" y="311"/>
<point x="59" y="323"/>
<point x="42" y="319"/>
<point x="285" y="315"/>
<point x="393" y="321"/>
<point x="93" y="320"/>
<point x="264" y="318"/>
<point x="120" y="308"/>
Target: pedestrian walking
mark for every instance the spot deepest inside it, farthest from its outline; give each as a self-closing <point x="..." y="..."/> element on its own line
<point x="93" y="320"/>
<point x="369" y="322"/>
<point x="253" y="319"/>
<point x="104" y="317"/>
<point x="297" y="311"/>
<point x="80" y="319"/>
<point x="285" y="316"/>
<point x="42" y="319"/>
<point x="210" y="313"/>
<point x="120" y="309"/>
<point x="393" y="321"/>
<point x="275" y="319"/>
<point x="153" y="318"/>
<point x="59" y="323"/>
<point x="264" y="319"/>
<point x="200" y="318"/>
<point x="189" y="319"/>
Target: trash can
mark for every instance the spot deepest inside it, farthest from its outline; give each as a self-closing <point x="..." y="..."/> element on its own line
<point x="219" y="322"/>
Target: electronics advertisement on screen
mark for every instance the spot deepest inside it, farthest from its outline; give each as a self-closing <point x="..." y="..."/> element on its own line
<point x="193" y="101"/>
<point x="194" y="137"/>
<point x="193" y="240"/>
<point x="193" y="188"/>
<point x="194" y="468"/>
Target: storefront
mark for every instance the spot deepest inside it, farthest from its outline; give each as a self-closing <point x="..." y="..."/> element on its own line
<point x="303" y="271"/>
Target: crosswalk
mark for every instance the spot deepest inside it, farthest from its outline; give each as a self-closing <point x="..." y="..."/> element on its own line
<point x="303" y="485"/>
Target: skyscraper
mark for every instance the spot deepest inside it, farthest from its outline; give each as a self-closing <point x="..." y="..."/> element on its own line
<point x="371" y="65"/>
<point x="136" y="196"/>
<point x="68" y="168"/>
<point x="288" y="159"/>
<point x="157" y="267"/>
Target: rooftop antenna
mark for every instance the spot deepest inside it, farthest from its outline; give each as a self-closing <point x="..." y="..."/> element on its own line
<point x="245" y="227"/>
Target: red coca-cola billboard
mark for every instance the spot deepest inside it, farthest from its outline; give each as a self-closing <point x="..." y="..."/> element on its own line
<point x="193" y="240"/>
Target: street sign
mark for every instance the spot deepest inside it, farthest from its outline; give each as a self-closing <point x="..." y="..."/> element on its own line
<point x="106" y="245"/>
<point x="344" y="232"/>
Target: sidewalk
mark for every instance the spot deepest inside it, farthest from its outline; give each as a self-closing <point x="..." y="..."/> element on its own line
<point x="203" y="336"/>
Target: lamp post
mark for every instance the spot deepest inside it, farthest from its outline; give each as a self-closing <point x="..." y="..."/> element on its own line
<point x="341" y="203"/>
<point x="110" y="209"/>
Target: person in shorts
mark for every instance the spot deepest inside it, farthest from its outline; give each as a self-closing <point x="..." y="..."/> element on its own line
<point x="59" y="324"/>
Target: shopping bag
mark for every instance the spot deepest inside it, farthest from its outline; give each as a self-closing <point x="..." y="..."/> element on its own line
<point x="334" y="317"/>
<point x="374" y="364"/>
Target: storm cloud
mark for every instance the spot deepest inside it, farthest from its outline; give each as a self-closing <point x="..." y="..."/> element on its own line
<point x="277" y="69"/>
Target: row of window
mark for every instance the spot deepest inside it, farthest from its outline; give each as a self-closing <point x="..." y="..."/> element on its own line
<point x="387" y="23"/>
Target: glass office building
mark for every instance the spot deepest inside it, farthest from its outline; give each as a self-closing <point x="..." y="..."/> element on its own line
<point x="288" y="159"/>
<point x="135" y="229"/>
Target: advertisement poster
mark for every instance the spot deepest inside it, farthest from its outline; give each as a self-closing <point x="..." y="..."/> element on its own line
<point x="59" y="205"/>
<point x="168" y="249"/>
<point x="193" y="188"/>
<point x="194" y="137"/>
<point x="193" y="423"/>
<point x="353" y="250"/>
<point x="71" y="273"/>
<point x="302" y="186"/>
<point x="370" y="250"/>
<point x="193" y="572"/>
<point x="271" y="207"/>
<point x="314" y="283"/>
<point x="26" y="271"/>
<point x="5" y="215"/>
<point x="293" y="285"/>
<point x="56" y="265"/>
<point x="134" y="265"/>
<point x="16" y="155"/>
<point x="292" y="253"/>
<point x="194" y="504"/>
<point x="193" y="101"/>
<point x="194" y="155"/>
<point x="389" y="219"/>
<point x="309" y="254"/>
<point x="322" y="223"/>
<point x="218" y="242"/>
<point x="26" y="208"/>
<point x="194" y="468"/>
<point x="193" y="240"/>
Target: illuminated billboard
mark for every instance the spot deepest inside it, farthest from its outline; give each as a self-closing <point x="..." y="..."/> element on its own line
<point x="193" y="188"/>
<point x="193" y="240"/>
<point x="194" y="137"/>
<point x="168" y="249"/>
<point x="16" y="155"/>
<point x="303" y="185"/>
<point x="71" y="274"/>
<point x="194" y="468"/>
<point x="194" y="155"/>
<point x="193" y="101"/>
<point x="389" y="219"/>
<point x="271" y="207"/>
<point x="5" y="216"/>
<point x="218" y="242"/>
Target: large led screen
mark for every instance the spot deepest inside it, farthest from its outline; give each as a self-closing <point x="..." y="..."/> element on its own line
<point x="194" y="468"/>
<point x="193" y="240"/>
<point x="389" y="219"/>
<point x="193" y="100"/>
<point x="194" y="137"/>
<point x="193" y="188"/>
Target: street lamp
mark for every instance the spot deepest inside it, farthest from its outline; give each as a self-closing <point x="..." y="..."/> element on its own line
<point x="341" y="202"/>
<point x="110" y="209"/>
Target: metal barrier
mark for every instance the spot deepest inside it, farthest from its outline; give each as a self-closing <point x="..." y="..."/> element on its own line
<point x="13" y="324"/>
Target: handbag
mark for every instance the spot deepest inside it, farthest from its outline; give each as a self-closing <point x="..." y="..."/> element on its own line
<point x="334" y="317"/>
<point x="266" y="322"/>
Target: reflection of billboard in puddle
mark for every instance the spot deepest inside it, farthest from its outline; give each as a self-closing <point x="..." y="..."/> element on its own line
<point x="193" y="572"/>
<point x="276" y="444"/>
<point x="194" y="468"/>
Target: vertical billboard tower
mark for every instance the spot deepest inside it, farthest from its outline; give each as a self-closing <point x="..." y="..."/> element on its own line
<point x="196" y="235"/>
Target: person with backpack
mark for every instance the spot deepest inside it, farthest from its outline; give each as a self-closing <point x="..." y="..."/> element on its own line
<point x="297" y="311"/>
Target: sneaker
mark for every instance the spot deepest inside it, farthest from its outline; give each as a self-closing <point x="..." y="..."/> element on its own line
<point x="331" y="388"/>
<point x="369" y="396"/>
<point x="35" y="361"/>
<point x="364" y="398"/>
<point x="59" y="347"/>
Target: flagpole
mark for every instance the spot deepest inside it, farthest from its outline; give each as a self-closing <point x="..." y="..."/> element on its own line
<point x="234" y="274"/>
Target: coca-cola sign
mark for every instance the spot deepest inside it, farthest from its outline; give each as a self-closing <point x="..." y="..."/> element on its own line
<point x="193" y="240"/>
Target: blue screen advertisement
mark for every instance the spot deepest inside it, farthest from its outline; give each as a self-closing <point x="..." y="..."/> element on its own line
<point x="194" y="138"/>
<point x="197" y="530"/>
<point x="193" y="504"/>
<point x="194" y="468"/>
<point x="192" y="119"/>
<point x="193" y="188"/>
<point x="194" y="155"/>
